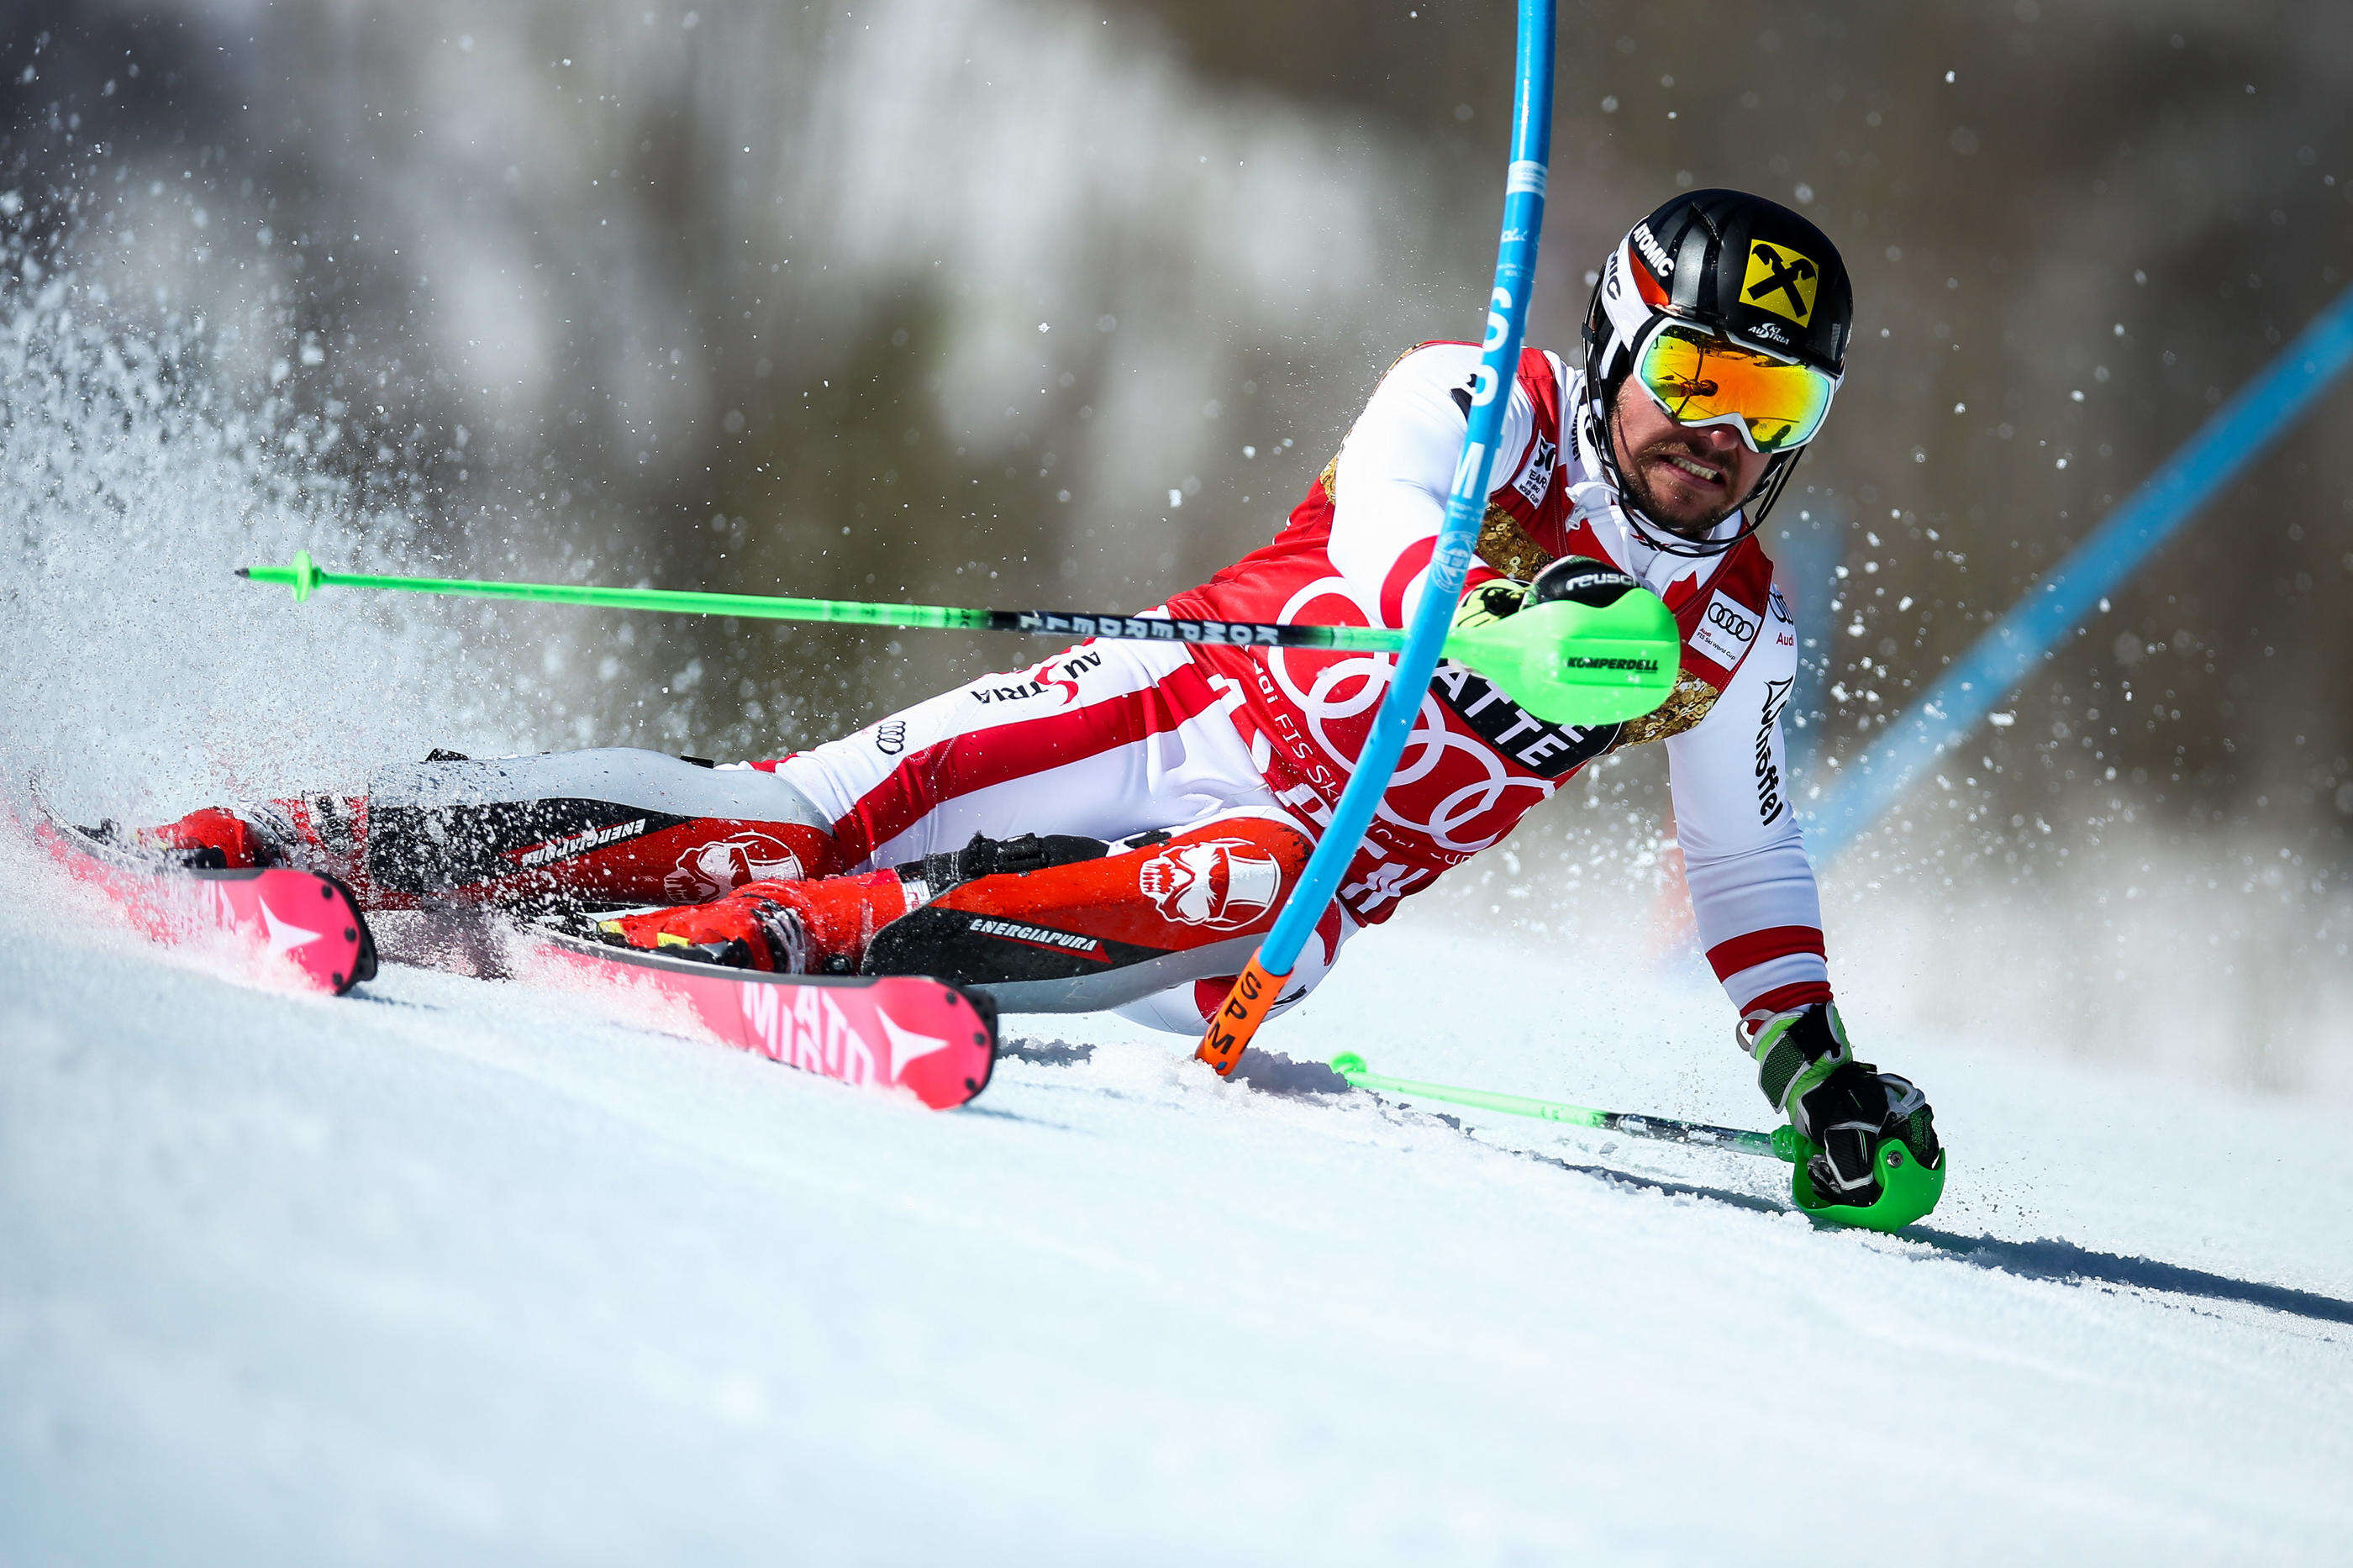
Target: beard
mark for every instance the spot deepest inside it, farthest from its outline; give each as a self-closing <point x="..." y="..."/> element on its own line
<point x="1681" y="521"/>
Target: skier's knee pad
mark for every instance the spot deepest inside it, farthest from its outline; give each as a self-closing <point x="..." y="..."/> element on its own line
<point x="1100" y="929"/>
<point x="1187" y="1009"/>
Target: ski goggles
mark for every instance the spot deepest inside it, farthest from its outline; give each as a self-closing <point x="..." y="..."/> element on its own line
<point x="1699" y="378"/>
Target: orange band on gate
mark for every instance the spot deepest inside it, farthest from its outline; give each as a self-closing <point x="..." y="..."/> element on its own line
<point x="1245" y="1009"/>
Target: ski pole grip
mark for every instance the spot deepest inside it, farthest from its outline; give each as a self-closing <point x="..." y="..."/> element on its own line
<point x="1246" y="1007"/>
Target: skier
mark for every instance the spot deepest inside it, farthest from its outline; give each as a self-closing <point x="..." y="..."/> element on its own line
<point x="1115" y="825"/>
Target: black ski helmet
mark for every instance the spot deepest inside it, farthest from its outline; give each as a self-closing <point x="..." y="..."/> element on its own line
<point x="1747" y="268"/>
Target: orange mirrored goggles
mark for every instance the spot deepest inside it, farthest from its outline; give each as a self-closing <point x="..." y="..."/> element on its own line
<point x="1700" y="378"/>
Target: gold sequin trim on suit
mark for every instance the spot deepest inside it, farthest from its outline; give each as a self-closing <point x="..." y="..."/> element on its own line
<point x="1685" y="706"/>
<point x="1506" y="545"/>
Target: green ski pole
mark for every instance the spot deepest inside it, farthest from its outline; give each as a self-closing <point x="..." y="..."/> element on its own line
<point x="1907" y="1189"/>
<point x="1565" y="663"/>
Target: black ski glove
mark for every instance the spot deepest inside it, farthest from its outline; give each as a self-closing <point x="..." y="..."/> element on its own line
<point x="1847" y="1108"/>
<point x="1577" y="578"/>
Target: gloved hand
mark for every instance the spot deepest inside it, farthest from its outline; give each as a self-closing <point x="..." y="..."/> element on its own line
<point x="1847" y="1108"/>
<point x="1577" y="578"/>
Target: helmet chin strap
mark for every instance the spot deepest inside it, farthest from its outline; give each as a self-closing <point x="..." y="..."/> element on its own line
<point x="1659" y="535"/>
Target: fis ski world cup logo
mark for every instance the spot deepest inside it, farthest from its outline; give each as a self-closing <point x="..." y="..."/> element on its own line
<point x="1224" y="883"/>
<point x="709" y="869"/>
<point x="1780" y="281"/>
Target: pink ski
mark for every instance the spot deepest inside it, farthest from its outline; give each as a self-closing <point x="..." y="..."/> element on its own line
<point x="300" y="925"/>
<point x="902" y="1032"/>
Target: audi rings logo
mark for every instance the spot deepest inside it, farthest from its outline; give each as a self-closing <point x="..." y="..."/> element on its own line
<point x="891" y="737"/>
<point x="1725" y="631"/>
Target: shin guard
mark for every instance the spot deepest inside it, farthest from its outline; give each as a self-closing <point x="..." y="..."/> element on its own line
<point x="1090" y="929"/>
<point x="574" y="829"/>
<point x="552" y="853"/>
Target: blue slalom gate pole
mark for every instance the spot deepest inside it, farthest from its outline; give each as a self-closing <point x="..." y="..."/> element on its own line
<point x="1515" y="268"/>
<point x="2237" y="434"/>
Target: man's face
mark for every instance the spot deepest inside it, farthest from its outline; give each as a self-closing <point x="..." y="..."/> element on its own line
<point x="1688" y="479"/>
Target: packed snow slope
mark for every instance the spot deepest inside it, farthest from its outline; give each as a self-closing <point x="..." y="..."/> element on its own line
<point x="455" y="1270"/>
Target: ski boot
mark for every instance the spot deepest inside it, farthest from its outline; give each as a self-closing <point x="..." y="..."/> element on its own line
<point x="211" y="839"/>
<point x="820" y="927"/>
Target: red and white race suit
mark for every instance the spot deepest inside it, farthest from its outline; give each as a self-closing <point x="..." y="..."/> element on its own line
<point x="1112" y="739"/>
